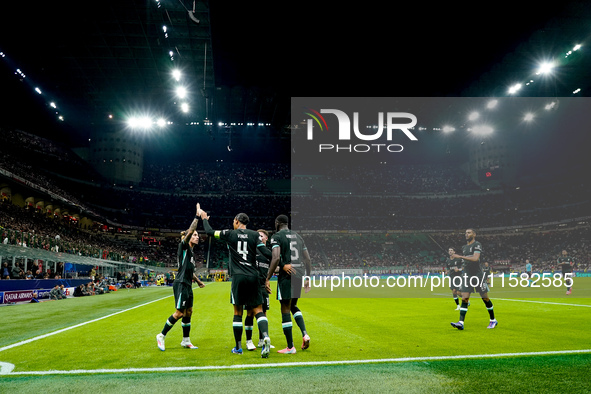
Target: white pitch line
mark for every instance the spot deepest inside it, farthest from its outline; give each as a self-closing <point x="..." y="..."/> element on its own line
<point x="75" y="326"/>
<point x="299" y="364"/>
<point x="543" y="302"/>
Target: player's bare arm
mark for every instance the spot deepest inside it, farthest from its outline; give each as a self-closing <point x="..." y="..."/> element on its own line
<point x="308" y="267"/>
<point x="193" y="226"/>
<point x="275" y="256"/>
<point x="198" y="281"/>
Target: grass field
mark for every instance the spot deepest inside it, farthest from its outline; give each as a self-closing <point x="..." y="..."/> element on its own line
<point x="107" y="343"/>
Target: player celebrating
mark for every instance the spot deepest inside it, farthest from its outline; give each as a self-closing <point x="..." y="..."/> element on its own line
<point x="566" y="264"/>
<point x="182" y="287"/>
<point x="288" y="249"/>
<point x="263" y="266"/>
<point x="473" y="273"/>
<point x="243" y="244"/>
<point x="453" y="271"/>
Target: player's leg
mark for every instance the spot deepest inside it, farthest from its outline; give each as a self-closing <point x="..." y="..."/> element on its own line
<point x="263" y="326"/>
<point x="186" y="324"/>
<point x="299" y="318"/>
<point x="236" y="300"/>
<point x="463" y="310"/>
<point x="455" y="294"/>
<point x="265" y="307"/>
<point x="491" y="312"/>
<point x="171" y="321"/>
<point x="287" y="326"/>
<point x="248" y="326"/>
<point x="237" y="328"/>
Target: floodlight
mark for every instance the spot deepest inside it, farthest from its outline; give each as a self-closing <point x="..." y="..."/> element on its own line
<point x="528" y="117"/>
<point x="185" y="107"/>
<point x="176" y="74"/>
<point x="492" y="104"/>
<point x="513" y="89"/>
<point x="545" y="68"/>
<point x="473" y="116"/>
<point x="482" y="130"/>
<point x="181" y="92"/>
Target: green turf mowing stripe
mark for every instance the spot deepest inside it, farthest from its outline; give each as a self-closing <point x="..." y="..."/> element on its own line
<point x="302" y="364"/>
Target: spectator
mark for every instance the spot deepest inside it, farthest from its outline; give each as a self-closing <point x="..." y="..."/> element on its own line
<point x="17" y="272"/>
<point x="55" y="293"/>
<point x="80" y="291"/>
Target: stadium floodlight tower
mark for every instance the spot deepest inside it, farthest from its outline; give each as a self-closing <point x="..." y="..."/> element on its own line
<point x="119" y="155"/>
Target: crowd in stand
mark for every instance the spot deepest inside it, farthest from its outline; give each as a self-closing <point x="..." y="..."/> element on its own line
<point x="398" y="202"/>
<point x="29" y="228"/>
<point x="217" y="177"/>
<point x="411" y="253"/>
<point x="404" y="178"/>
<point x="552" y="202"/>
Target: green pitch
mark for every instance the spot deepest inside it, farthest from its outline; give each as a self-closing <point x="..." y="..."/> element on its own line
<point x="390" y="342"/>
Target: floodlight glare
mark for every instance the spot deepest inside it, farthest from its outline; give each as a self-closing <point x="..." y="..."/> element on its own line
<point x="181" y="92"/>
<point x="132" y="122"/>
<point x="161" y="122"/>
<point x="577" y="47"/>
<point x="482" y="130"/>
<point x="139" y="123"/>
<point x="513" y="89"/>
<point x="448" y="129"/>
<point x="176" y="74"/>
<point x="545" y="68"/>
<point x="185" y="107"/>
<point x="528" y="117"/>
<point x="473" y="116"/>
<point x="492" y="104"/>
<point x="145" y="122"/>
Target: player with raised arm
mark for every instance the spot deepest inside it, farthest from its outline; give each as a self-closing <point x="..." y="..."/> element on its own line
<point x="243" y="244"/>
<point x="182" y="287"/>
<point x="453" y="270"/>
<point x="566" y="264"/>
<point x="473" y="279"/>
<point x="289" y="252"/>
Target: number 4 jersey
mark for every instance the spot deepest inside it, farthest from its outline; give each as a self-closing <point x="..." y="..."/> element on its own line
<point x="243" y="244"/>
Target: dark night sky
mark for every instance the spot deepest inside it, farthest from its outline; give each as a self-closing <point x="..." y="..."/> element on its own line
<point x="370" y="48"/>
<point x="321" y="49"/>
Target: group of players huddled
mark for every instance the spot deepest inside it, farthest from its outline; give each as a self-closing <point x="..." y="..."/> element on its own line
<point x="252" y="265"/>
<point x="468" y="275"/>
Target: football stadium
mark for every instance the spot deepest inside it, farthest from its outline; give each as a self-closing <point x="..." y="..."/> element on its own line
<point x="208" y="197"/>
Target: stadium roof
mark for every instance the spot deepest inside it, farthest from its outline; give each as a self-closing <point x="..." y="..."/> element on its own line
<point x="90" y="60"/>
